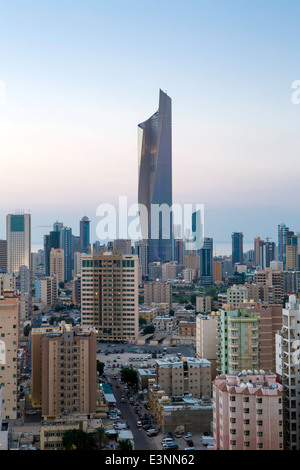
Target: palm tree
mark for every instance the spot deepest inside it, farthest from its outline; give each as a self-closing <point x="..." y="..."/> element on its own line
<point x="125" y="445"/>
<point x="100" y="438"/>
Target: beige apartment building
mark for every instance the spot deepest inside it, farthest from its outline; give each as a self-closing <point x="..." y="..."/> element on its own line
<point x="57" y="264"/>
<point x="204" y="304"/>
<point x="179" y="376"/>
<point x="237" y="294"/>
<point x="109" y="295"/>
<point x="206" y="339"/>
<point x="217" y="271"/>
<point x="158" y="292"/>
<point x="247" y="412"/>
<point x="269" y="277"/>
<point x="9" y="343"/>
<point x="64" y="371"/>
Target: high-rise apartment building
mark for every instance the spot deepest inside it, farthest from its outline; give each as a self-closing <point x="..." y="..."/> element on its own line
<point x="141" y="249"/>
<point x="85" y="244"/>
<point x="289" y="369"/>
<point x="18" y="236"/>
<point x="46" y="290"/>
<point x="9" y="343"/>
<point x="237" y="248"/>
<point x="64" y="372"/>
<point x="109" y="295"/>
<point x="158" y="292"/>
<point x="57" y="264"/>
<point x="155" y="181"/>
<point x="206" y="334"/>
<point x="270" y="278"/>
<point x="247" y="412"/>
<point x="238" y="340"/>
<point x="291" y="251"/>
<point x="217" y="271"/>
<point x="236" y="294"/>
<point x="67" y="246"/>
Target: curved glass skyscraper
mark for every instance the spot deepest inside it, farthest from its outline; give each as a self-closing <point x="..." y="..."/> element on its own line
<point x="155" y="181"/>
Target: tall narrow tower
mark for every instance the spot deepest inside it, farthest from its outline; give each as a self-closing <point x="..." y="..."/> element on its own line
<point x="18" y="236"/>
<point x="155" y="181"/>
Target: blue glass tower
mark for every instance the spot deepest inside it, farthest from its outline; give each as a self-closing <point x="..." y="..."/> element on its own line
<point x="155" y="181"/>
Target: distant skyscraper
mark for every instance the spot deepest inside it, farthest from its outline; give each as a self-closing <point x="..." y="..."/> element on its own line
<point x="155" y="180"/>
<point x="197" y="229"/>
<point x="237" y="247"/>
<point x="50" y="241"/>
<point x="18" y="236"/>
<point x="3" y="256"/>
<point x="282" y="230"/>
<point x="85" y="235"/>
<point x="206" y="261"/>
<point x="66" y="245"/>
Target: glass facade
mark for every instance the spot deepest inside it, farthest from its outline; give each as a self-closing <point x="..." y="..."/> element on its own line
<point x="155" y="181"/>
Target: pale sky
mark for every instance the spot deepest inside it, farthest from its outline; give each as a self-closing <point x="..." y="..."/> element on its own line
<point x="80" y="75"/>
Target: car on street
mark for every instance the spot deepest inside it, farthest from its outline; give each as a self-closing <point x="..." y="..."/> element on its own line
<point x="151" y="432"/>
<point x="171" y="447"/>
<point x="139" y="424"/>
<point x="187" y="436"/>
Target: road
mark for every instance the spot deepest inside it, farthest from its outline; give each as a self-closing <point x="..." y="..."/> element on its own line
<point x="142" y="441"/>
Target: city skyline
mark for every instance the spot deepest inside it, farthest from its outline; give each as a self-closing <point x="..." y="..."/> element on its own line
<point x="67" y="90"/>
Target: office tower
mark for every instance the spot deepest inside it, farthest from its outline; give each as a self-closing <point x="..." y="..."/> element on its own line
<point x="67" y="247"/>
<point x="50" y="241"/>
<point x="289" y="369"/>
<point x="271" y="279"/>
<point x="57" y="264"/>
<point x="291" y="251"/>
<point x="179" y="376"/>
<point x="18" y="236"/>
<point x="85" y="244"/>
<point x="237" y="294"/>
<point x="57" y="226"/>
<point x="282" y="230"/>
<point x="123" y="245"/>
<point x="24" y="280"/>
<point x="217" y="271"/>
<point x="247" y="412"/>
<point x="179" y="251"/>
<point x="197" y="229"/>
<point x="155" y="181"/>
<point x="141" y="249"/>
<point x="206" y="261"/>
<point x="64" y="373"/>
<point x="9" y="327"/>
<point x="158" y="292"/>
<point x="3" y="256"/>
<point x="109" y="295"/>
<point x="237" y="248"/>
<point x="238" y="340"/>
<point x="76" y="245"/>
<point x="46" y="290"/>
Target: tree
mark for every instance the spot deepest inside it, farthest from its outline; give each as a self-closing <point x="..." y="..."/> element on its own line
<point x="149" y="329"/>
<point x="171" y="313"/>
<point x="100" y="438"/>
<point x="100" y="367"/>
<point x="142" y="321"/>
<point x="189" y="307"/>
<point x="76" y="439"/>
<point x="129" y="376"/>
<point x="125" y="445"/>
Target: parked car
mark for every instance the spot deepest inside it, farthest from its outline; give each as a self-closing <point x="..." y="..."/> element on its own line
<point x="178" y="434"/>
<point x="171" y="447"/>
<point x="187" y="436"/>
<point x="151" y="432"/>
